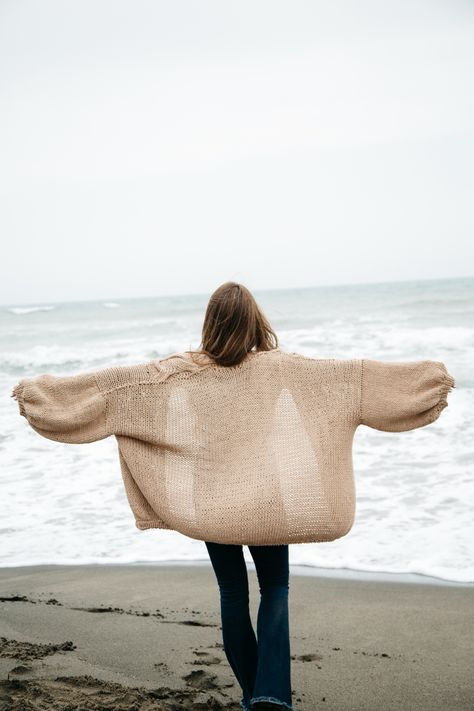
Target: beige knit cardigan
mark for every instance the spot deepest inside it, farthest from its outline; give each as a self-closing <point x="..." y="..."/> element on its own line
<point x="257" y="453"/>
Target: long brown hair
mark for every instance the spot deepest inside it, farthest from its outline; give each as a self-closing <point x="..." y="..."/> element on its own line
<point x="234" y="325"/>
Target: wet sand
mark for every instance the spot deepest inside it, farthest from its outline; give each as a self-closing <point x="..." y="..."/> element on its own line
<point x="148" y="638"/>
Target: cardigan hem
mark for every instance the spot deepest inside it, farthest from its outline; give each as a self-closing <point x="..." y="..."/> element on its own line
<point x="152" y="523"/>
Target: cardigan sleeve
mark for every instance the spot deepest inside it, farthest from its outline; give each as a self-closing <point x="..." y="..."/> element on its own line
<point x="63" y="408"/>
<point x="401" y="396"/>
<point x="87" y="407"/>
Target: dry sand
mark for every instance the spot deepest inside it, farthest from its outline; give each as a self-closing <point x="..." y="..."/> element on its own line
<point x="148" y="638"/>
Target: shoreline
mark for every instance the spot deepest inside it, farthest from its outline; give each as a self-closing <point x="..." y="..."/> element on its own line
<point x="295" y="570"/>
<point x="122" y="636"/>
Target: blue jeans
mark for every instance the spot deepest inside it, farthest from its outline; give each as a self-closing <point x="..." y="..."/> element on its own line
<point x="262" y="668"/>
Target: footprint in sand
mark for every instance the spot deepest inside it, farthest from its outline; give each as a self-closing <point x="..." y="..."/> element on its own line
<point x="204" y="658"/>
<point x="307" y="657"/>
<point x="203" y="681"/>
<point x="20" y="669"/>
<point x="26" y="651"/>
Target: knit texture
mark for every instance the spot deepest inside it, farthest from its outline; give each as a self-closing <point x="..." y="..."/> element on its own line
<point x="258" y="454"/>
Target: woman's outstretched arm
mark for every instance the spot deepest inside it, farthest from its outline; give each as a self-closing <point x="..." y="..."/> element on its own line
<point x="400" y="396"/>
<point x="86" y="407"/>
<point x="63" y="408"/>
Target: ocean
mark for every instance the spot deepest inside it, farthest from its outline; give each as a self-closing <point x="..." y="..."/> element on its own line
<point x="65" y="504"/>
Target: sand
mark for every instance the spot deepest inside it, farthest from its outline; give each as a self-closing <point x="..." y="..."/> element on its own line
<point x="148" y="638"/>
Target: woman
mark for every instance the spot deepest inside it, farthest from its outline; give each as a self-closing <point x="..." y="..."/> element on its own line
<point x="240" y="443"/>
<point x="233" y="326"/>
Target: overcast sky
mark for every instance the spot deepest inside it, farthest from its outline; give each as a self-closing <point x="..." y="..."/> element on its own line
<point x="153" y="148"/>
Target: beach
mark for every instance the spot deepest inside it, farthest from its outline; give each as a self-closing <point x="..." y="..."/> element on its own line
<point x="148" y="637"/>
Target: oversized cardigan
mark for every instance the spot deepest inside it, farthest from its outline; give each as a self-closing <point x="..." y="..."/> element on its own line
<point x="258" y="453"/>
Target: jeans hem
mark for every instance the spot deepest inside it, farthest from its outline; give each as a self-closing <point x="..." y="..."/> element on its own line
<point x="244" y="705"/>
<point x="272" y="699"/>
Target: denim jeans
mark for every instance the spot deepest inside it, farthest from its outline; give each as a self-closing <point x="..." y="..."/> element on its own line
<point x="261" y="665"/>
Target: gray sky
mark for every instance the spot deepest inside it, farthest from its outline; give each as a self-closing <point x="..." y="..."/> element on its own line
<point x="152" y="148"/>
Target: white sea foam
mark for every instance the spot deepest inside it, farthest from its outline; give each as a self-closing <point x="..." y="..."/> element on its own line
<point x="20" y="310"/>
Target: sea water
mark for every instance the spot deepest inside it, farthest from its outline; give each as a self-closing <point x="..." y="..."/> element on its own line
<point x="63" y="503"/>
